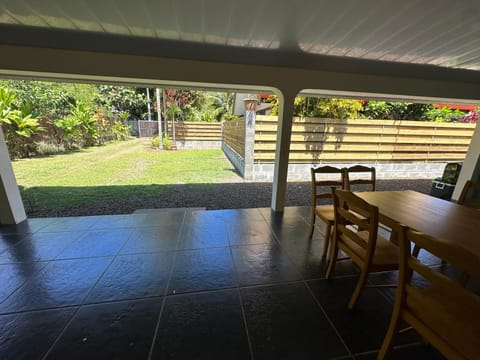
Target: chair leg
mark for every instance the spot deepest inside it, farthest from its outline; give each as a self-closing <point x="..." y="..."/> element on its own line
<point x="387" y="341"/>
<point x="358" y="289"/>
<point x="463" y="279"/>
<point x="312" y="225"/>
<point x="327" y="240"/>
<point x="333" y="260"/>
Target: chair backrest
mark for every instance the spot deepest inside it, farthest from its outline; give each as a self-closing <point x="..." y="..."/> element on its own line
<point x="323" y="179"/>
<point x="352" y="210"/>
<point x="470" y="195"/>
<point x="437" y="306"/>
<point x="360" y="175"/>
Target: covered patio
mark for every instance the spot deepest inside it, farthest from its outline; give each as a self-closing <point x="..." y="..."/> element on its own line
<point x="186" y="284"/>
<point x="226" y="284"/>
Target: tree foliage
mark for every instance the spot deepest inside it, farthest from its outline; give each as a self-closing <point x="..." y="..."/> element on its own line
<point x="395" y="110"/>
<point x="375" y="110"/>
<point x="117" y="99"/>
<point x="322" y="107"/>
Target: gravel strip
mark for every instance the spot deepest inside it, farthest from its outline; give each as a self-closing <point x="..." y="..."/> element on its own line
<point x="219" y="196"/>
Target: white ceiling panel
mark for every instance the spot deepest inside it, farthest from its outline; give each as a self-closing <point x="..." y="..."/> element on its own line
<point x="437" y="32"/>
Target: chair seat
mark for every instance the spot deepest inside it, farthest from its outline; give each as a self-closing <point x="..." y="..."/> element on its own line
<point x="386" y="253"/>
<point x="454" y="315"/>
<point x="326" y="213"/>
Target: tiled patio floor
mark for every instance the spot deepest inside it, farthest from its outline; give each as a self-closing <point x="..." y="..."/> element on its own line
<point x="182" y="284"/>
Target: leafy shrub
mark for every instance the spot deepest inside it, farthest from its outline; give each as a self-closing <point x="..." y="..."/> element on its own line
<point x="394" y="110"/>
<point x="121" y="131"/>
<point x="443" y="114"/>
<point x="377" y="110"/>
<point x="78" y="127"/>
<point x="155" y="142"/>
<point x="18" y="125"/>
<point x="71" y="133"/>
<point x="321" y="107"/>
<point x="166" y="142"/>
<point x="339" y="108"/>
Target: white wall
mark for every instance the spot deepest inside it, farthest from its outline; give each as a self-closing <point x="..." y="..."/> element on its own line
<point x="471" y="160"/>
<point x="11" y="206"/>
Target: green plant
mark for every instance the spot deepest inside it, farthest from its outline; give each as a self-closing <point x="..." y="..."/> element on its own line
<point x="212" y="106"/>
<point x="71" y="132"/>
<point x="443" y="114"/>
<point x="124" y="115"/>
<point x="167" y="142"/>
<point x="78" y="127"/>
<point x="155" y="142"/>
<point x="7" y="98"/>
<point x="18" y="135"/>
<point x="339" y="108"/>
<point x="121" y="131"/>
<point x="83" y="114"/>
<point x="394" y="110"/>
<point x="377" y="110"/>
<point x="18" y="124"/>
<point x="321" y="107"/>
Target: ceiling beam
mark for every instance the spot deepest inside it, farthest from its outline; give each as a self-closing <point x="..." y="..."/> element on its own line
<point x="91" y="66"/>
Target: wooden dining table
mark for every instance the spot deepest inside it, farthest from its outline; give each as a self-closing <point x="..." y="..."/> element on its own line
<point x="445" y="220"/>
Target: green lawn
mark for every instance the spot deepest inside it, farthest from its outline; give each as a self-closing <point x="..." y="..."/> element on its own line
<point x="113" y="172"/>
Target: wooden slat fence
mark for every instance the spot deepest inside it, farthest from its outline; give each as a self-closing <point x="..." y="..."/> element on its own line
<point x="351" y="141"/>
<point x="234" y="135"/>
<point x="196" y="131"/>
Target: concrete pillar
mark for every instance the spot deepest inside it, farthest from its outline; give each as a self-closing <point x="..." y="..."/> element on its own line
<point x="11" y="205"/>
<point x="471" y="165"/>
<point x="284" y="131"/>
<point x="250" y="106"/>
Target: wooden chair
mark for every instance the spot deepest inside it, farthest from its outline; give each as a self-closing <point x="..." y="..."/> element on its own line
<point x="356" y="234"/>
<point x="321" y="189"/>
<point x="441" y="310"/>
<point x="470" y="195"/>
<point x="368" y="177"/>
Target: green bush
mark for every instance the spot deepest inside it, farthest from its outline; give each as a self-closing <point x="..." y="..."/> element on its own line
<point x="155" y="142"/>
<point x="395" y="110"/>
<point x="166" y="142"/>
<point x="18" y="125"/>
<point x="121" y="131"/>
<point x="71" y="134"/>
<point x="443" y="114"/>
<point x="338" y="108"/>
<point x="321" y="107"/>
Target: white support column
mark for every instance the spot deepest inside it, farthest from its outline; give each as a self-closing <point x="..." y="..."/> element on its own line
<point x="470" y="163"/>
<point x="11" y="206"/>
<point x="284" y="131"/>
